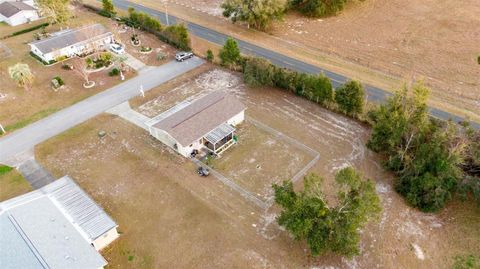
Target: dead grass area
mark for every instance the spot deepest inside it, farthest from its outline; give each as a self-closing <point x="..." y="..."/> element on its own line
<point x="160" y="54"/>
<point x="383" y="43"/>
<point x="170" y="217"/>
<point x="12" y="184"/>
<point x="19" y="107"/>
<point x="260" y="159"/>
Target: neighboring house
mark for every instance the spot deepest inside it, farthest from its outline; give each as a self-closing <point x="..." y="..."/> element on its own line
<point x="206" y="123"/>
<point x="15" y="13"/>
<point x="71" y="42"/>
<point x="57" y="226"/>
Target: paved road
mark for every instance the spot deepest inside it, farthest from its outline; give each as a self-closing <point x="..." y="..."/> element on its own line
<point x="35" y="133"/>
<point x="373" y="93"/>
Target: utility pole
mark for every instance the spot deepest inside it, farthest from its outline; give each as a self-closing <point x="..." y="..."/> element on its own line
<point x="142" y="91"/>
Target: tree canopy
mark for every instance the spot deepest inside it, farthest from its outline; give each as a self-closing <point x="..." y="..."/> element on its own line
<point x="426" y="155"/>
<point x="318" y="8"/>
<point x="108" y="7"/>
<point x="256" y="13"/>
<point x="350" y="98"/>
<point x="230" y="53"/>
<point x="308" y="216"/>
<point x="56" y="10"/>
<point x="21" y="74"/>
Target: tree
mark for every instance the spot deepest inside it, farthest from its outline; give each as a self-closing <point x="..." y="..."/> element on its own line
<point x="308" y="216"/>
<point x="21" y="74"/>
<point x="318" y="8"/>
<point x="56" y="10"/>
<point x="425" y="154"/>
<point x="80" y="67"/>
<point x="108" y="7"/>
<point x="258" y="72"/>
<point x="230" y="53"/>
<point x="256" y="13"/>
<point x="350" y="98"/>
<point x="210" y="55"/>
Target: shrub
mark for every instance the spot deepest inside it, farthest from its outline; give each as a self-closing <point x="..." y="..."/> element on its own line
<point x="114" y="72"/>
<point x="210" y="55"/>
<point x="59" y="80"/>
<point x="350" y="98"/>
<point x="36" y="27"/>
<point x="230" y="53"/>
<point x="478" y="59"/>
<point x="41" y="60"/>
<point x="318" y="8"/>
<point x="258" y="72"/>
<point x="176" y="35"/>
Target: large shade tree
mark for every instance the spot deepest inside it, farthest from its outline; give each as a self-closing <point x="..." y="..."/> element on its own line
<point x="21" y="74"/>
<point x="307" y="215"/>
<point x="56" y="10"/>
<point x="255" y="13"/>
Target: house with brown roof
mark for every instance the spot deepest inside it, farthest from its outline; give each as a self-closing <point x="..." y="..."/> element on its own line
<point x="207" y="123"/>
<point x="72" y="42"/>
<point x="16" y="12"/>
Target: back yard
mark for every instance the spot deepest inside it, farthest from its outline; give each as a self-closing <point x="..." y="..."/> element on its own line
<point x="171" y="217"/>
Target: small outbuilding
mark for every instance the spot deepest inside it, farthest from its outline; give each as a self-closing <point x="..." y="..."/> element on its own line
<point x="57" y="226"/>
<point x="72" y="42"/>
<point x="206" y="123"/>
<point x="17" y="12"/>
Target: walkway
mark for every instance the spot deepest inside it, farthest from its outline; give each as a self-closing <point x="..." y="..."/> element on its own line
<point x="134" y="62"/>
<point x="37" y="132"/>
<point x="35" y="174"/>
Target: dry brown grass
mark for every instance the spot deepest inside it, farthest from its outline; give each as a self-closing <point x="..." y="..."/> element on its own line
<point x="170" y="217"/>
<point x="383" y="43"/>
<point x="12" y="184"/>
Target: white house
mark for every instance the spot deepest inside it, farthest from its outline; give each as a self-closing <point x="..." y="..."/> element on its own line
<point x="206" y="123"/>
<point x="15" y="13"/>
<point x="71" y="42"/>
<point x="56" y="226"/>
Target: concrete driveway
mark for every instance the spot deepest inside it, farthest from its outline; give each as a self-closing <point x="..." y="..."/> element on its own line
<point x="26" y="138"/>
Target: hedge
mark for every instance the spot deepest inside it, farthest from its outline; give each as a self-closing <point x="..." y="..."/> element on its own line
<point x="36" y="27"/>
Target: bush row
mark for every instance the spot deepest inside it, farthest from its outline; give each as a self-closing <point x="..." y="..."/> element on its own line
<point x="317" y="88"/>
<point x="176" y="35"/>
<point x="33" y="28"/>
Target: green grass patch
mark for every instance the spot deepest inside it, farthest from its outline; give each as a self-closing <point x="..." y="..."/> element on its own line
<point x="5" y="169"/>
<point x="37" y="116"/>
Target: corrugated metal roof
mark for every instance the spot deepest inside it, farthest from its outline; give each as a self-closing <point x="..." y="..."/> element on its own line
<point x="90" y="217"/>
<point x="84" y="34"/>
<point x="219" y="133"/>
<point x="200" y="117"/>
<point x="43" y="236"/>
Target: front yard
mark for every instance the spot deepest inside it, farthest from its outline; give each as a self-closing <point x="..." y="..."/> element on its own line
<point x="12" y="183"/>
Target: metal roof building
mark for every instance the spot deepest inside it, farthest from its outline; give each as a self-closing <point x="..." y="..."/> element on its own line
<point x="52" y="227"/>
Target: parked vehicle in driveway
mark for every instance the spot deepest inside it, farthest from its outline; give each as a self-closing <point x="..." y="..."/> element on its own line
<point x="117" y="48"/>
<point x="183" y="55"/>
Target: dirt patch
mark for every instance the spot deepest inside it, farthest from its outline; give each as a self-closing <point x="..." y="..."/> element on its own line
<point x="260" y="159"/>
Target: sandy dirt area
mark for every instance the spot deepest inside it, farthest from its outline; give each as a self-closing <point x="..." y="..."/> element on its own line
<point x="170" y="217"/>
<point x="434" y="41"/>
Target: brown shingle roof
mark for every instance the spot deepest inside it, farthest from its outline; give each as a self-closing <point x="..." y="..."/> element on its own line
<point x="75" y="36"/>
<point x="200" y="117"/>
<point x="8" y="9"/>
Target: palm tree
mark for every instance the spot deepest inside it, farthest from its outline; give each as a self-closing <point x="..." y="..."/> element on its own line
<point x="21" y="74"/>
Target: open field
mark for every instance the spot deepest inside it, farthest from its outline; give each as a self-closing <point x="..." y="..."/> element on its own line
<point x="12" y="183"/>
<point x="383" y="43"/>
<point x="171" y="217"/>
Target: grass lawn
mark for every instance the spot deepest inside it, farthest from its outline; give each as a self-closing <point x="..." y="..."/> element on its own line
<point x="12" y="183"/>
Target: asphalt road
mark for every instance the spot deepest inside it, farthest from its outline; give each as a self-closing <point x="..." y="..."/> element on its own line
<point x="374" y="94"/>
<point x="37" y="132"/>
